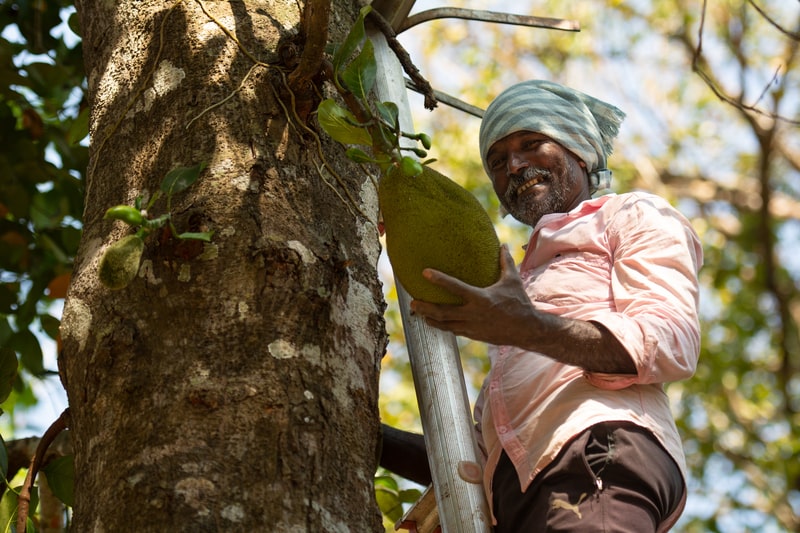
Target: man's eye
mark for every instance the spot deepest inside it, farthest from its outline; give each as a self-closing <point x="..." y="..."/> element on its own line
<point x="532" y="144"/>
<point x="496" y="163"/>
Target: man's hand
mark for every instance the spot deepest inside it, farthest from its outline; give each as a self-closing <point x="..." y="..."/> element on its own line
<point x="499" y="314"/>
<point x="502" y="314"/>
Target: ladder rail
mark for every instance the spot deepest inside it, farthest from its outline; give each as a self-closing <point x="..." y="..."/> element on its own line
<point x="436" y="368"/>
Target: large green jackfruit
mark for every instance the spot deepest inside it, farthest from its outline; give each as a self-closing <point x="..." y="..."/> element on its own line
<point x="432" y="222"/>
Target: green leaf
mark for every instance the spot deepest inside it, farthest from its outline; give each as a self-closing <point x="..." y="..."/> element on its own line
<point x="61" y="477"/>
<point x="180" y="178"/>
<point x="338" y="122"/>
<point x="48" y="209"/>
<point x="8" y="373"/>
<point x="410" y="495"/>
<point x="5" y="331"/>
<point x="79" y="128"/>
<point x="8" y="297"/>
<point x="389" y="113"/>
<point x="74" y="23"/>
<point x="386" y="482"/>
<point x="27" y="346"/>
<point x="27" y="311"/>
<point x="359" y="76"/>
<point x="359" y="156"/>
<point x="388" y="498"/>
<point x="155" y="196"/>
<point x="3" y="458"/>
<point x="50" y="325"/>
<point x="387" y="137"/>
<point x="8" y="509"/>
<point x="47" y="244"/>
<point x="197" y="236"/>
<point x="352" y="41"/>
<point x="45" y="78"/>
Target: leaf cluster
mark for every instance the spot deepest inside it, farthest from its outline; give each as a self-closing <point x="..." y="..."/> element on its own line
<point x="120" y="262"/>
<point x="43" y="121"/>
<point x="355" y="70"/>
<point x="43" y="157"/>
<point x="391" y="497"/>
<point x="138" y="217"/>
<point x="60" y="473"/>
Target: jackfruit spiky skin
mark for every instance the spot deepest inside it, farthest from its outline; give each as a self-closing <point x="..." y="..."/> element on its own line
<point x="432" y="222"/>
<point x="120" y="262"/>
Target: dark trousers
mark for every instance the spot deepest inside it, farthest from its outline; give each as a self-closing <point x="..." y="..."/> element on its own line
<point x="613" y="477"/>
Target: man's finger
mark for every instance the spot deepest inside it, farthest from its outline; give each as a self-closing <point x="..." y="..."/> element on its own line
<point x="508" y="267"/>
<point x="428" y="310"/>
<point x="506" y="261"/>
<point x="453" y="285"/>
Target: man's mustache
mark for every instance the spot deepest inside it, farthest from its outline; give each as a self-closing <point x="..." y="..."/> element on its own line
<point x="520" y="178"/>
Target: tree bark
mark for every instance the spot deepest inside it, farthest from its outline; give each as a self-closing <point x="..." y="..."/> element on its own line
<point x="232" y="386"/>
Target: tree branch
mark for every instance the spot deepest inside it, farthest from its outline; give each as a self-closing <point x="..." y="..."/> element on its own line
<point x="790" y="34"/>
<point x="423" y="87"/>
<point x="715" y="86"/>
<point x="21" y="451"/>
<point x="315" y="17"/>
<point x="745" y="196"/>
<point x="23" y="508"/>
<point x="766" y="134"/>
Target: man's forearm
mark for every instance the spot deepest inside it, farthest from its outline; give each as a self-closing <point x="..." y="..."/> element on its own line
<point x="502" y="314"/>
<point x="404" y="454"/>
<point x="588" y="345"/>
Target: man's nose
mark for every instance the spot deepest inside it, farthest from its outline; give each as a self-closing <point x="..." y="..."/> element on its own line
<point x="516" y="162"/>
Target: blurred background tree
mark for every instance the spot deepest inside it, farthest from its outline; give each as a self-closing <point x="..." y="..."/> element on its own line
<point x="43" y="119"/>
<point x="712" y="93"/>
<point x="713" y="100"/>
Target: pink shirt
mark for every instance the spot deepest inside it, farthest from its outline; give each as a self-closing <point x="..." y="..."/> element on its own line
<point x="629" y="262"/>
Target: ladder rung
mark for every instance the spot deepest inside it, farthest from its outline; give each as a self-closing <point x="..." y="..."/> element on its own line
<point x="423" y="516"/>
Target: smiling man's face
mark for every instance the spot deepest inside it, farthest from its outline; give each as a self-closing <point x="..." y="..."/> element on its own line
<point x="534" y="176"/>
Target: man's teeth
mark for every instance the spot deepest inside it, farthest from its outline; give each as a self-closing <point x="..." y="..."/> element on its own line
<point x="528" y="184"/>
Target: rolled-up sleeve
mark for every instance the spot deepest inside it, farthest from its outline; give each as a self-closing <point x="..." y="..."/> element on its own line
<point x="654" y="285"/>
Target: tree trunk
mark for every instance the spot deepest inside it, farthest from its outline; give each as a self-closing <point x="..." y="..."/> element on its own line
<point x="232" y="386"/>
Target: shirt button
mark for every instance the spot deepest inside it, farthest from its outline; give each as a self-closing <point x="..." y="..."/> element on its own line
<point x="503" y="430"/>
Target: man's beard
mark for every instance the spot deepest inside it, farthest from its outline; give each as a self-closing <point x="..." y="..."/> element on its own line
<point x="527" y="208"/>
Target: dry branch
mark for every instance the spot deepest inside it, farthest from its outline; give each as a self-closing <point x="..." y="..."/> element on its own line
<point x="316" y="15"/>
<point x="421" y="84"/>
<point x="715" y="86"/>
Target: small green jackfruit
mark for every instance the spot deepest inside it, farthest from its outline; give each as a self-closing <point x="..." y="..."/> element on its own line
<point x="120" y="262"/>
<point x="432" y="222"/>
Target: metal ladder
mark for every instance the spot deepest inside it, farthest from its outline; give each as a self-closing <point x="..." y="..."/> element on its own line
<point x="455" y="502"/>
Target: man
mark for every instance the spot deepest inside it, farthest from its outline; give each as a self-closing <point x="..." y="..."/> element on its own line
<point x="572" y="420"/>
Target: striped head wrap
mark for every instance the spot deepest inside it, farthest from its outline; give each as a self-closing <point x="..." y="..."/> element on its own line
<point x="582" y="124"/>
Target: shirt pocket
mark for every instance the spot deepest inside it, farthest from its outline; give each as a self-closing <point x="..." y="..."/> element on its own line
<point x="571" y="279"/>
